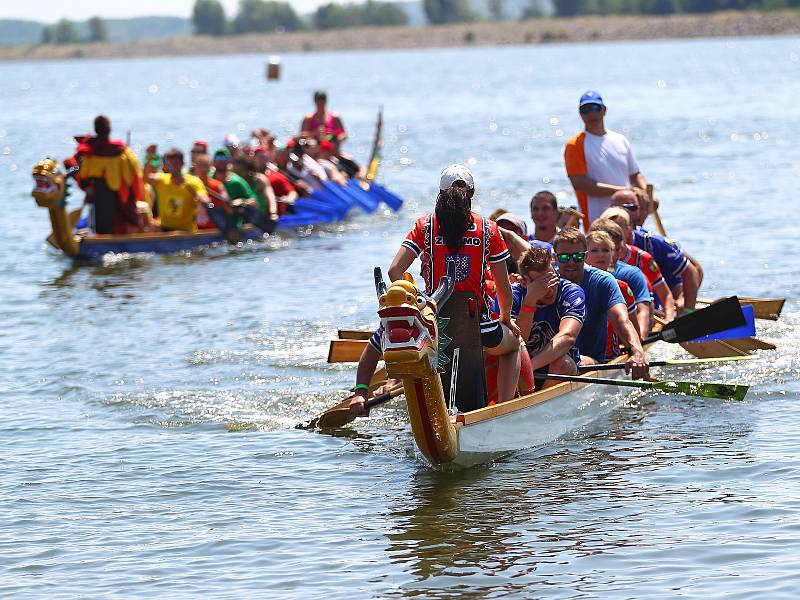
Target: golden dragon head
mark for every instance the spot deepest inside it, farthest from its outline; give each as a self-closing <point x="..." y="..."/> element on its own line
<point x="410" y="325"/>
<point x="49" y="183"/>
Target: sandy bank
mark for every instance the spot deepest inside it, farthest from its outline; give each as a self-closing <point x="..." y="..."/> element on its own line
<point x="579" y="29"/>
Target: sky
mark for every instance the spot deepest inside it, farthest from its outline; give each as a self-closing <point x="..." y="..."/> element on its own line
<point x="50" y="11"/>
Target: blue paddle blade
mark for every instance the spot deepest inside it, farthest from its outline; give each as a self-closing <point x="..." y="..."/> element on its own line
<point x="309" y="205"/>
<point x="391" y="199"/>
<point x="746" y="330"/>
<point x="366" y="201"/>
<point x="342" y="206"/>
<point x="338" y="192"/>
<point x="301" y="220"/>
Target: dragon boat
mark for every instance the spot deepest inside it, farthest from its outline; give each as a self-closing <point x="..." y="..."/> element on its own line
<point x="330" y="204"/>
<point x="426" y="339"/>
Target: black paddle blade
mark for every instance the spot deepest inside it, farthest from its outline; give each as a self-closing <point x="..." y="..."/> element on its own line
<point x="722" y="315"/>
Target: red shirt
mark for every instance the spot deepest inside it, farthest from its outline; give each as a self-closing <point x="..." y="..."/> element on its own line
<point x="280" y="183"/>
<point x="481" y="246"/>
<point x="612" y="340"/>
<point x="646" y="264"/>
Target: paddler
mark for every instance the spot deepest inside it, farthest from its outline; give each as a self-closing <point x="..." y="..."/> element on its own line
<point x="322" y="122"/>
<point x="642" y="260"/>
<point x="632" y="276"/>
<point x="549" y="311"/>
<point x="599" y="161"/>
<point x="683" y="274"/>
<point x="178" y="193"/>
<point x="455" y="233"/>
<point x="111" y="176"/>
<point x="544" y="213"/>
<point x="604" y="302"/>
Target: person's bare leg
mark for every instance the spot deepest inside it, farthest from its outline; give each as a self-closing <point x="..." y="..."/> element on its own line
<point x="564" y="365"/>
<point x="507" y="353"/>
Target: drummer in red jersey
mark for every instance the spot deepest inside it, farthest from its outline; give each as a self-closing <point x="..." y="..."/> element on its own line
<point x="454" y="233"/>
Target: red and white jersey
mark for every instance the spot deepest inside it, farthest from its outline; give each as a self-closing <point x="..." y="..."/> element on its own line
<point x="612" y="339"/>
<point x="645" y="262"/>
<point x="481" y="246"/>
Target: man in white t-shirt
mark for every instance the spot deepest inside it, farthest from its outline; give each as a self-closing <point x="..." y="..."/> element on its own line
<point x="599" y="161"/>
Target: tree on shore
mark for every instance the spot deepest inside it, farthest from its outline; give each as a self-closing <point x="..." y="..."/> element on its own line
<point x="208" y="18"/>
<point x="261" y="16"/>
<point x="64" y="32"/>
<point x="497" y="9"/>
<point x="97" y="30"/>
<point x="447" y="11"/>
<point x="382" y="14"/>
<point x="568" y="8"/>
<point x="371" y="13"/>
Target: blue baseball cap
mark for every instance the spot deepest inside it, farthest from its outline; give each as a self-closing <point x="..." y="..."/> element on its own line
<point x="591" y="97"/>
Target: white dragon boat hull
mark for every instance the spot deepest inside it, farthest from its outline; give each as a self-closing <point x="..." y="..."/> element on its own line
<point x="532" y="421"/>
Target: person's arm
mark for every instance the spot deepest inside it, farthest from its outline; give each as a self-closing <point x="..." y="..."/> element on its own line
<point x="534" y="291"/>
<point x="516" y="244"/>
<point x="638" y="181"/>
<point x="691" y="283"/>
<point x="289" y="198"/>
<point x="561" y="343"/>
<point x="366" y="368"/>
<point x="342" y="135"/>
<point x="401" y="262"/>
<point x="305" y="127"/>
<point x="504" y="294"/>
<point x="149" y="173"/>
<point x="268" y="194"/>
<point x="661" y="290"/>
<point x="637" y="364"/>
<point x="643" y="319"/>
<point x="583" y="183"/>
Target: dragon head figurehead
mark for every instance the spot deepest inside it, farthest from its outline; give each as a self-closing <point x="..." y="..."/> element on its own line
<point x="49" y="183"/>
<point x="411" y="329"/>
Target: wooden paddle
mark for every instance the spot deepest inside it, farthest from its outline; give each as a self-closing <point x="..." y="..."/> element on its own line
<point x="725" y="391"/>
<point x="663" y="363"/>
<point x="354" y="334"/>
<point x="340" y="415"/>
<point x="654" y="211"/>
<point x="346" y="350"/>
<point x="764" y="308"/>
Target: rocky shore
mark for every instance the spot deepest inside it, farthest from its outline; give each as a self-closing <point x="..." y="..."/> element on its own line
<point x="537" y="31"/>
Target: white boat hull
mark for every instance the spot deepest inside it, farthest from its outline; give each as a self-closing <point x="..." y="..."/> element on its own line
<point x="536" y="422"/>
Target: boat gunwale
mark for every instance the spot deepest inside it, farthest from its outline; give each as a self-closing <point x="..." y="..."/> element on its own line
<point x="517" y="404"/>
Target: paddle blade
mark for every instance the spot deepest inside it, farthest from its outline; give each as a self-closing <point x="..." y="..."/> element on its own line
<point x="725" y="391"/>
<point x="745" y="331"/>
<point x="335" y="417"/>
<point x="725" y="314"/>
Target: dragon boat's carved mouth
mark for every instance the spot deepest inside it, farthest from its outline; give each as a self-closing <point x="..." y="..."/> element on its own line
<point x="403" y="330"/>
<point x="43" y="184"/>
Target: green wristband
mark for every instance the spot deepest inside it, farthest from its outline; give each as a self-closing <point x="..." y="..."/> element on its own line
<point x="360" y="386"/>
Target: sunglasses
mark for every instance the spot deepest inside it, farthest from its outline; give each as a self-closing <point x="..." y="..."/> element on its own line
<point x="575" y="256"/>
<point x="629" y="207"/>
<point x="590" y="108"/>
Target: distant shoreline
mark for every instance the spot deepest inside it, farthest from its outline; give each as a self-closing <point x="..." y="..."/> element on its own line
<point x="536" y="31"/>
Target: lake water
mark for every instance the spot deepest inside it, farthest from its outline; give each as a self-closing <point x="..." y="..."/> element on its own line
<point x="148" y="403"/>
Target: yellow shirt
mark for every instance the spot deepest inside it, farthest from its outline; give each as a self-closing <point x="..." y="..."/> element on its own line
<point x="176" y="203"/>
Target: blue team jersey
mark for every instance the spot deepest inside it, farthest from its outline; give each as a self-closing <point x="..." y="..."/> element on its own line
<point x="667" y="253"/>
<point x="602" y="292"/>
<point x="635" y="280"/>
<point x="569" y="303"/>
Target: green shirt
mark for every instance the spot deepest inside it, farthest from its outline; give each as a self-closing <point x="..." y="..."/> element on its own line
<point x="238" y="188"/>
